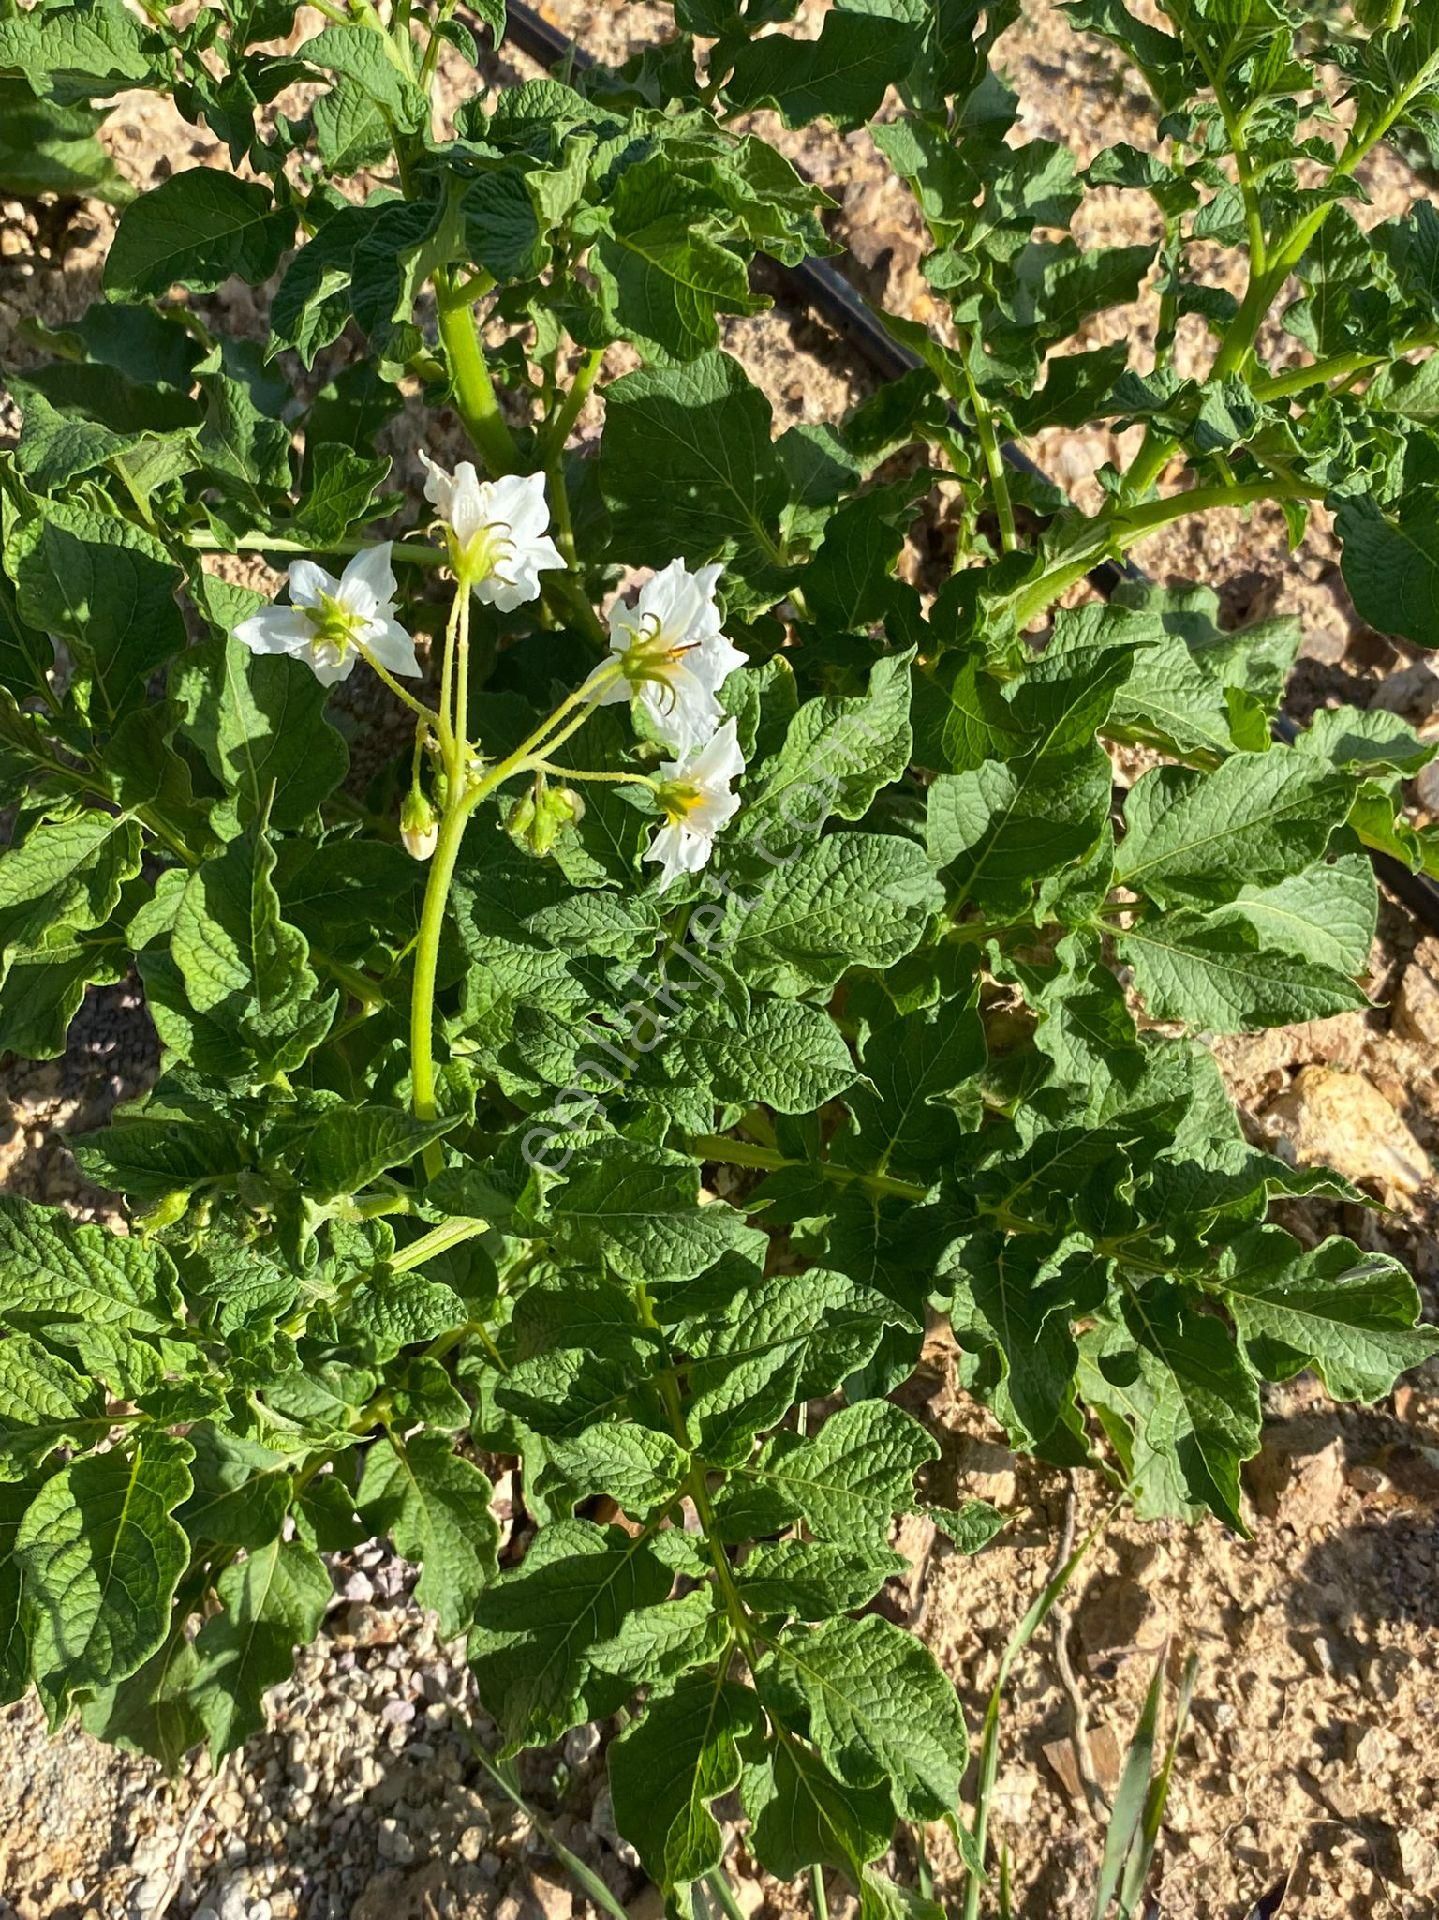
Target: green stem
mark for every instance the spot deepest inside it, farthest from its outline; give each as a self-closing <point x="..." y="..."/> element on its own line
<point x="744" y="1153"/>
<point x="818" y="1899"/>
<point x="717" y="1882"/>
<point x="449" y="1233"/>
<point x="427" y="959"/>
<point x="401" y="550"/>
<point x="612" y="779"/>
<point x="1132" y="524"/>
<point x="476" y="400"/>
<point x="560" y="428"/>
<point x="462" y="800"/>
<point x="993" y="456"/>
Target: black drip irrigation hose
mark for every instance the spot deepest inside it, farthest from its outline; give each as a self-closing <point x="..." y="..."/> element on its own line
<point x="822" y="287"/>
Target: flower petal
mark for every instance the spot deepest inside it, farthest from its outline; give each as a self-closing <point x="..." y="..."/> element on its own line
<point x="678" y="851"/>
<point x="368" y="583"/>
<point x="308" y="580"/>
<point x="439" y="484"/>
<point x="275" y="630"/>
<point x="388" y="643"/>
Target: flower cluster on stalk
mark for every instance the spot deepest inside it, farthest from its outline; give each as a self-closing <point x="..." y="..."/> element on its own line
<point x="668" y="654"/>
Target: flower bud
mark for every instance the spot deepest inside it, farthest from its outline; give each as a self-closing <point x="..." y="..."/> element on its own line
<point x="537" y="818"/>
<point x="419" y="825"/>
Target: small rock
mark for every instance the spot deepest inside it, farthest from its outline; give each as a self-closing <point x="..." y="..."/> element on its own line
<point x="1328" y="1118"/>
<point x="1414" y="1471"/>
<point x="581" y="1745"/>
<point x="1290" y="1479"/>
<point x="471" y="1843"/>
<point x="553" y="1897"/>
<point x="1412" y="692"/>
<point x="1372" y="1751"/>
<point x="602" y="1819"/>
<point x="986" y="1472"/>
<point x="359" y="1587"/>
<point x="394" y="1843"/>
<point x="1416" y="1005"/>
<point x="1418" y="1860"/>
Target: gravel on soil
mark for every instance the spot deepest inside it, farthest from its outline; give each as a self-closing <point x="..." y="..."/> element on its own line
<point x="1309" y="1765"/>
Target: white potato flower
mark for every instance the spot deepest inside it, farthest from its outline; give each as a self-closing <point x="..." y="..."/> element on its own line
<point x="695" y="794"/>
<point x="498" y="531"/>
<point x="330" y="622"/>
<point x="674" y="656"/>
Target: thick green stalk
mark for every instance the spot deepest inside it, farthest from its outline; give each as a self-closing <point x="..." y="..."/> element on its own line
<point x="427" y="960"/>
<point x="1114" y="536"/>
<point x="476" y="401"/>
<point x="401" y="550"/>
<point x="744" y="1153"/>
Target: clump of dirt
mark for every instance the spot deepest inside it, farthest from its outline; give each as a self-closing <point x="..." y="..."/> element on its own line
<point x="1306" y="1779"/>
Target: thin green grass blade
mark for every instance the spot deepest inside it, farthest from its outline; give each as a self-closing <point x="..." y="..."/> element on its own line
<point x="1141" y="1857"/>
<point x="585" y="1877"/>
<point x="1126" y="1819"/>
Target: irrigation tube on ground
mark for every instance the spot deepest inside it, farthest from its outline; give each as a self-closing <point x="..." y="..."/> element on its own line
<point x="823" y="287"/>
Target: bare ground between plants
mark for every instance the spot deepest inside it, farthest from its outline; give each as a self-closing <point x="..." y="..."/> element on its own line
<point x="1311" y="1764"/>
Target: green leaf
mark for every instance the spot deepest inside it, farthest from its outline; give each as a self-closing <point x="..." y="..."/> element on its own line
<point x="850" y="899"/>
<point x="80" y="52"/>
<point x="1178" y="1402"/>
<point x="536" y="1626"/>
<point x="43" y="1402"/>
<point x="803" y="1816"/>
<point x="1017" y="1293"/>
<point x="846" y="1482"/>
<point x="435" y="1506"/>
<point x="911" y="1113"/>
<point x="258" y="719"/>
<point x="1213" y="972"/>
<point x="64" y="878"/>
<point x="837" y="755"/>
<point x="638" y="1468"/>
<point x="274" y="1601"/>
<point x="351" y="1146"/>
<point x="785" y="1054"/>
<point x="108" y="587"/>
<point x="842" y="75"/>
<point x="1347" y="1313"/>
<point x="969" y="1527"/>
<point x="759" y="1348"/>
<point x="664" y="271"/>
<point x="368" y="59"/>
<point x="44" y="992"/>
<point x="52" y="1267"/>
<point x="1194" y="838"/>
<point x="1327" y="913"/>
<point x="47" y="148"/>
<point x="688" y="467"/>
<point x="197" y="229"/>
<point x="658" y="1644"/>
<point x="1010" y="821"/>
<point x="244" y="967"/>
<point x="880" y="1711"/>
<point x="668" y="1767"/>
<point x="812" y="1580"/>
<point x="638" y="1209"/>
<point x="101" y="1556"/>
<point x="1391" y="564"/>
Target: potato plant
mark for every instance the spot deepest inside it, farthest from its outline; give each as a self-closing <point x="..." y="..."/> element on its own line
<point x="743" y="955"/>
